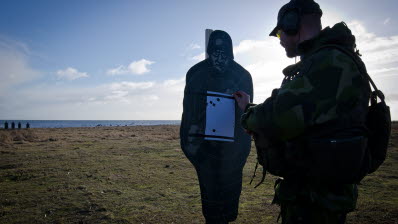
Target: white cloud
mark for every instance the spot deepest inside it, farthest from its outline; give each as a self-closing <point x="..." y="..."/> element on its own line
<point x="392" y="71"/>
<point x="125" y="92"/>
<point x="265" y="59"/>
<point x="140" y="67"/>
<point x="199" y="57"/>
<point x="172" y="83"/>
<point x="117" y="100"/>
<point x="71" y="74"/>
<point x="249" y="45"/>
<point x="131" y="85"/>
<point x="193" y="46"/>
<point x="117" y="95"/>
<point x="331" y="17"/>
<point x="386" y="21"/>
<point x="190" y="51"/>
<point x="154" y="100"/>
<point x="380" y="54"/>
<point x="14" y="64"/>
<point x="118" y="70"/>
<point x="13" y="45"/>
<point x="136" y="67"/>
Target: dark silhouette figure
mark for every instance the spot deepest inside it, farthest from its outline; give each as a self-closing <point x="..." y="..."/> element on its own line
<point x="19" y="125"/>
<point x="6" y="125"/>
<point x="218" y="164"/>
<point x="13" y="125"/>
<point x="27" y="125"/>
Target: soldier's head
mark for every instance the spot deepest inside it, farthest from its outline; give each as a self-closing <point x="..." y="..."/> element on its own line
<point x="220" y="49"/>
<point x="298" y="20"/>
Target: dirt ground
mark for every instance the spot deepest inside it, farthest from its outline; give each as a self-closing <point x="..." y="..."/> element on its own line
<point x="140" y="175"/>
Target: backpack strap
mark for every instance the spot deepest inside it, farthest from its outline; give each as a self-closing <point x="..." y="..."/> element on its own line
<point x="361" y="67"/>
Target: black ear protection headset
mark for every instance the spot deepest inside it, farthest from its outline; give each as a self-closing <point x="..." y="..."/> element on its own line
<point x="289" y="15"/>
<point x="290" y="19"/>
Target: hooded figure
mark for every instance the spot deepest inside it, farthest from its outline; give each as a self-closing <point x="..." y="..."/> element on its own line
<point x="218" y="159"/>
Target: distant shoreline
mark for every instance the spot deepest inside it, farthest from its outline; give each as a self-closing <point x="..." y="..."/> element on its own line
<point x="155" y="125"/>
<point x="84" y="123"/>
<point x="35" y="124"/>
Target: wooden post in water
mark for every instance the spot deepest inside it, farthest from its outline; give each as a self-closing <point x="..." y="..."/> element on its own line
<point x="207" y="36"/>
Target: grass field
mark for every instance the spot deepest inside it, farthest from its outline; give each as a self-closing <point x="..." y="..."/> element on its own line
<point x="140" y="175"/>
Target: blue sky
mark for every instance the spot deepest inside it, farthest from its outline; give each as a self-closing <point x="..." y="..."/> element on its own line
<point x="128" y="59"/>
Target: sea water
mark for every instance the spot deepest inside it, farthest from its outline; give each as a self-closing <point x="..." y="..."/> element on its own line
<point x="85" y="123"/>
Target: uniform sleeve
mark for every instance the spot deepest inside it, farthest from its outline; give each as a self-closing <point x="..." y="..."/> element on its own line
<point x="330" y="88"/>
<point x="257" y="118"/>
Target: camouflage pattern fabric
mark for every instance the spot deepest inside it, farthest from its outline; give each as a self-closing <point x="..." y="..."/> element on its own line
<point x="313" y="203"/>
<point x="298" y="212"/>
<point x="325" y="87"/>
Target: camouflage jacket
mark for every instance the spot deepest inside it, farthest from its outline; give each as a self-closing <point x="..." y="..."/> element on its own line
<point x="324" y="88"/>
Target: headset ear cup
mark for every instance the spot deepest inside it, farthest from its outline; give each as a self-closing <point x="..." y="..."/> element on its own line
<point x="291" y="22"/>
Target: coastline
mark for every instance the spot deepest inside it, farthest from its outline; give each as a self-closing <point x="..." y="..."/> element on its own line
<point x="84" y="123"/>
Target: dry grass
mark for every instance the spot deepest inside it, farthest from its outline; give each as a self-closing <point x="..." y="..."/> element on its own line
<point x="139" y="175"/>
<point x="8" y="137"/>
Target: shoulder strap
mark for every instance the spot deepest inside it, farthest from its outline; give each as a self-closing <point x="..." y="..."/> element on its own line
<point x="358" y="62"/>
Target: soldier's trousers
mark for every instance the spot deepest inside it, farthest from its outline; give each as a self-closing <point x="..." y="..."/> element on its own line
<point x="311" y="202"/>
<point x="302" y="212"/>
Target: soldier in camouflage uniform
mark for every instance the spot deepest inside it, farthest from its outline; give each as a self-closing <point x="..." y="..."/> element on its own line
<point x="324" y="94"/>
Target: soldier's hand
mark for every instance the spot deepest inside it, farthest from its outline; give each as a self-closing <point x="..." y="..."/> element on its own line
<point x="242" y="99"/>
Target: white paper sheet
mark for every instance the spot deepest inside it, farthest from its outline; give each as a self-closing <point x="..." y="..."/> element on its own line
<point x="220" y="117"/>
